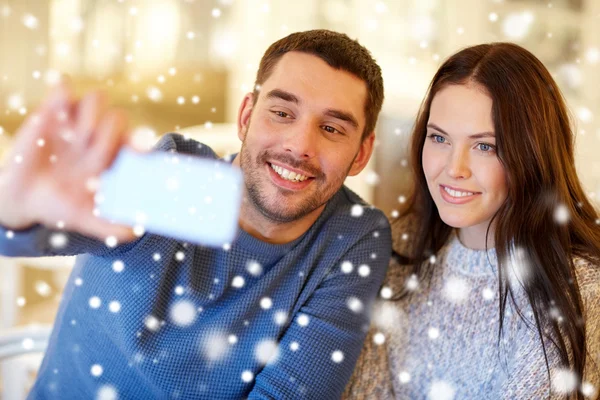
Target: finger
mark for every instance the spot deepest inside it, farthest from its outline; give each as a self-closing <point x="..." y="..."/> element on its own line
<point x="54" y="108"/>
<point x="110" y="136"/>
<point x="89" y="112"/>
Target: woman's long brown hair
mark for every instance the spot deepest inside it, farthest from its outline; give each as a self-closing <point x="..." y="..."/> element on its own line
<point x="535" y="146"/>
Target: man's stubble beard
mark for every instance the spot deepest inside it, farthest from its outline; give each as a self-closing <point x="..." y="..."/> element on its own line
<point x="274" y="212"/>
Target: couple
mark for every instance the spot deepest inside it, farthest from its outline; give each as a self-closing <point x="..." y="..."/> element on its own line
<point x="486" y="294"/>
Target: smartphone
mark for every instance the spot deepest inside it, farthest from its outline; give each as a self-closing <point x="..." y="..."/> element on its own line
<point x="185" y="197"/>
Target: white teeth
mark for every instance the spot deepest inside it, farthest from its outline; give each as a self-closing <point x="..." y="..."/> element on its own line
<point x="455" y="193"/>
<point x="288" y="175"/>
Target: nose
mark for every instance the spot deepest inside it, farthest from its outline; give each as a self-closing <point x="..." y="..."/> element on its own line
<point x="301" y="140"/>
<point x="458" y="164"/>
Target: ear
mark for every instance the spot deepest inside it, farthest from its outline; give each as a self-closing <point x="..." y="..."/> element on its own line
<point x="244" y="113"/>
<point x="363" y="156"/>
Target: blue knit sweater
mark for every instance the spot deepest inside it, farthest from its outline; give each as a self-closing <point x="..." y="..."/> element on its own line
<point x="159" y="319"/>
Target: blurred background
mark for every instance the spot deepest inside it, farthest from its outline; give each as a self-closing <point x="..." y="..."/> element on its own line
<point x="184" y="65"/>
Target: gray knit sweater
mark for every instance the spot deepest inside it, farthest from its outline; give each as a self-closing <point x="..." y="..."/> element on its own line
<point x="442" y="342"/>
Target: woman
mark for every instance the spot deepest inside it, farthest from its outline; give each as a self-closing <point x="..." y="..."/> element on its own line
<point x="494" y="289"/>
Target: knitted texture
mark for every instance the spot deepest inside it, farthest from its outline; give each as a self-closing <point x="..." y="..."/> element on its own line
<point x="157" y="318"/>
<point x="441" y="342"/>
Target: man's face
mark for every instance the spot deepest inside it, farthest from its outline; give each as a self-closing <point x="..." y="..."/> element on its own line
<point x="302" y="137"/>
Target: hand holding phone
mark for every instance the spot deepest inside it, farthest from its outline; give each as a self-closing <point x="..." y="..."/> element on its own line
<point x="176" y="195"/>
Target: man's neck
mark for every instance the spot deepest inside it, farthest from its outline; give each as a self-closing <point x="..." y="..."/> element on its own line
<point x="256" y="224"/>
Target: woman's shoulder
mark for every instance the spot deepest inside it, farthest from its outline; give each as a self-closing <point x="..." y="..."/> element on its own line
<point x="587" y="271"/>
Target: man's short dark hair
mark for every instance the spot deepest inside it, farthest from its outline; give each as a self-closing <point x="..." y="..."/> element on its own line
<point x="340" y="52"/>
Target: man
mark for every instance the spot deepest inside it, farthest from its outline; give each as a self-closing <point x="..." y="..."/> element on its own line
<point x="282" y="312"/>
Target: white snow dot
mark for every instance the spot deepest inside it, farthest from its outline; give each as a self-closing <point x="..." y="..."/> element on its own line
<point x="266" y="303"/>
<point x="357" y="210"/>
<point x="294" y="346"/>
<point x="78" y="282"/>
<point x="266" y="351"/>
<point x="95" y="302"/>
<point x="337" y="356"/>
<point x="412" y="283"/>
<point x="179" y="256"/>
<point x="232" y="339"/>
<point x="386" y="292"/>
<point x="10" y="234"/>
<point x="238" y="282"/>
<point x="182" y="313"/>
<point x="564" y="381"/>
<point x="281" y="317"/>
<point x="216" y="13"/>
<point x="303" y="320"/>
<point x="347" y="267"/>
<point x="440" y="390"/>
<point x="354" y="304"/>
<point x="107" y="392"/>
<point x="152" y="323"/>
<point x="139" y="230"/>
<point x="30" y="21"/>
<point x="404" y="377"/>
<point x="247" y="376"/>
<point x="21" y="301"/>
<point x="114" y="306"/>
<point x="42" y="288"/>
<point x="111" y="241"/>
<point x="433" y="333"/>
<point x="58" y="240"/>
<point x="41" y="142"/>
<point x="254" y="268"/>
<point x="456" y="290"/>
<point x="561" y="214"/>
<point x="488" y="294"/>
<point x="179" y="290"/>
<point x="27" y="343"/>
<point x="96" y="370"/>
<point x="156" y="257"/>
<point x="180" y="100"/>
<point x="493" y="17"/>
<point x="364" y="270"/>
<point x="588" y="390"/>
<point x="379" y="338"/>
<point x="118" y="266"/>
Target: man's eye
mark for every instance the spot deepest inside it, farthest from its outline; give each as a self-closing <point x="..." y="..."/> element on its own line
<point x="329" y="129"/>
<point x="281" y="114"/>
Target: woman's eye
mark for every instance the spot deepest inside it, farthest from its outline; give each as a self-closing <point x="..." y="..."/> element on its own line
<point x="485" y="147"/>
<point x="437" y="138"/>
<point x="281" y="114"/>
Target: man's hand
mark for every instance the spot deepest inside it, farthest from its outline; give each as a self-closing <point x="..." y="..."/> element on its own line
<point x="53" y="168"/>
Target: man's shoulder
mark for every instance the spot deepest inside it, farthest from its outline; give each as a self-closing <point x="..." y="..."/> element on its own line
<point x="178" y="143"/>
<point x="348" y="208"/>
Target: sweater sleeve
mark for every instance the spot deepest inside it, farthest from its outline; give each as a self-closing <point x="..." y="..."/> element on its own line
<point x="529" y="377"/>
<point x="319" y="349"/>
<point x="371" y="378"/>
<point x="40" y="241"/>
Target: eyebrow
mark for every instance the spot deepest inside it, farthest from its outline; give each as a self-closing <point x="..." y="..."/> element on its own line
<point x="338" y="114"/>
<point x="479" y="135"/>
<point x="342" y="115"/>
<point x="283" y="95"/>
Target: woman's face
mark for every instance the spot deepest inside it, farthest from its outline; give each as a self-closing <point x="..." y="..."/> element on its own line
<point x="465" y="177"/>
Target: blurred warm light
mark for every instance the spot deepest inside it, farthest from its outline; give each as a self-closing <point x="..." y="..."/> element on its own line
<point x="516" y="25"/>
<point x="157" y="27"/>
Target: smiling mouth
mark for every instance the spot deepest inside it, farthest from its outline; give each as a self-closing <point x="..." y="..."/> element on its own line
<point x="457" y="193"/>
<point x="287" y="174"/>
